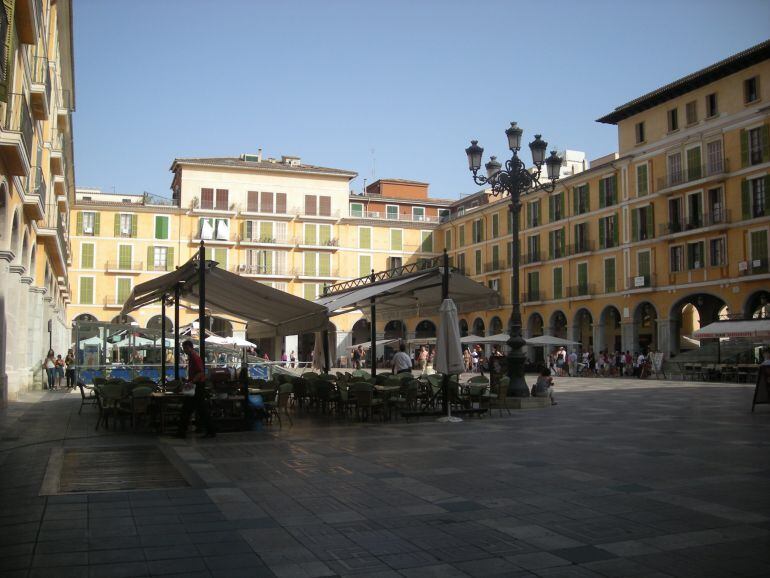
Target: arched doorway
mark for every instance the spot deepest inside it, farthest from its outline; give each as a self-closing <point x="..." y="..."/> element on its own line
<point x="495" y="326"/>
<point x="478" y="327"/>
<point x="535" y="328"/>
<point x="16" y="234"/>
<point x="609" y="321"/>
<point x="558" y="324"/>
<point x="123" y="320"/>
<point x="393" y="330"/>
<point x="690" y="314"/>
<point x="219" y="326"/>
<point x="584" y="328"/>
<point x="155" y="322"/>
<point x="3" y="215"/>
<point x="463" y="324"/>
<point x="425" y="330"/>
<point x="757" y="306"/>
<point x="645" y="327"/>
<point x="362" y="331"/>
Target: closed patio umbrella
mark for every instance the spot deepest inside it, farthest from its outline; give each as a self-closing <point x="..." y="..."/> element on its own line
<point x="449" y="355"/>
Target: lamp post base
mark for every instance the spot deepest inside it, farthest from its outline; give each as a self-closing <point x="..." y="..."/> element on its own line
<point x="517" y="385"/>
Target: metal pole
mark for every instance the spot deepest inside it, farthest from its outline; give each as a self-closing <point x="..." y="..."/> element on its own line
<point x="445" y="295"/>
<point x="373" y="333"/>
<point x="325" y="337"/>
<point x="202" y="303"/>
<point x="176" y="330"/>
<point x="517" y="386"/>
<point x="163" y="340"/>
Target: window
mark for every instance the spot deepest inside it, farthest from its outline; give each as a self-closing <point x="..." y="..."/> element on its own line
<point x="751" y="89"/>
<point x="261" y="262"/>
<point x="461" y="240"/>
<point x="609" y="275"/>
<point x="608" y="191"/>
<point x="754" y="197"/>
<point x="642" y="223"/>
<point x="673" y="120"/>
<point x="494" y="284"/>
<point x="639" y="132"/>
<point x="581" y="238"/>
<point x="252" y="201"/>
<point x="448" y="239"/>
<point x="443" y="215"/>
<point x="364" y="237"/>
<point x="495" y="226"/>
<point x="125" y="225"/>
<point x="691" y="112"/>
<point x="694" y="171"/>
<point x="221" y="200"/>
<point x="509" y="218"/>
<point x="714" y="210"/>
<point x="318" y="264"/>
<point x="608" y="232"/>
<point x="694" y="210"/>
<point x="325" y="206"/>
<point x="676" y="260"/>
<point x="395" y="262"/>
<point x="753" y="146"/>
<point x="495" y="257"/>
<point x="89" y="223"/>
<point x="674" y="162"/>
<point x="86" y="290"/>
<point x="509" y="253"/>
<point x="479" y="269"/>
<point x="211" y="228"/>
<point x="556" y="244"/>
<point x="712" y="109"/>
<point x="161" y="227"/>
<point x="642" y="181"/>
<point x="160" y="259"/>
<point x="717" y="254"/>
<point x="558" y="290"/>
<point x="218" y="254"/>
<point x="364" y="265"/>
<point x="426" y="241"/>
<point x="207" y="198"/>
<point x="311" y="204"/>
<point x="123" y="285"/>
<point x="356" y="210"/>
<point x="643" y="266"/>
<point x="533" y="249"/>
<point x="556" y="207"/>
<point x="216" y="200"/>
<point x="533" y="214"/>
<point x="125" y="257"/>
<point x="533" y="286"/>
<point x="582" y="278"/>
<point x="266" y="202"/>
<point x="675" y="215"/>
<point x="714" y="157"/>
<point x="87" y="256"/>
<point x="418" y="213"/>
<point x="478" y="230"/>
<point x="580" y="199"/>
<point x="695" y="255"/>
<point x="3" y="35"/>
<point x="758" y="249"/>
<point x="460" y="211"/>
<point x="397" y="240"/>
<point x="461" y="262"/>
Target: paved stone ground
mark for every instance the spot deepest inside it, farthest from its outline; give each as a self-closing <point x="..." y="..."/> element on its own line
<point x="621" y="478"/>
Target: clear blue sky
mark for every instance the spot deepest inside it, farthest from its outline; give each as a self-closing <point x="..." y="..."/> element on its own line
<point x="395" y="87"/>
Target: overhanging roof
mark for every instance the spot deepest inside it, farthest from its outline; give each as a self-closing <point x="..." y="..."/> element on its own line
<point x="269" y="311"/>
<point x="418" y="294"/>
<point x="751" y="328"/>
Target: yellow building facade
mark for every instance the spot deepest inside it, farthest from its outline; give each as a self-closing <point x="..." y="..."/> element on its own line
<point x="37" y="184"/>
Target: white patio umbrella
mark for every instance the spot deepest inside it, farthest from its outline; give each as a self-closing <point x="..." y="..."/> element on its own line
<point x="543" y="340"/>
<point x="499" y="338"/>
<point x="318" y="351"/>
<point x="239" y="342"/>
<point x="449" y="355"/>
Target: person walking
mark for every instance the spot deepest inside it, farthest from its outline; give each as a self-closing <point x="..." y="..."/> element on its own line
<point x="49" y="366"/>
<point x="70" y="370"/>
<point x="467" y="359"/>
<point x="59" y="365"/>
<point x="197" y="402"/>
<point x="423" y="359"/>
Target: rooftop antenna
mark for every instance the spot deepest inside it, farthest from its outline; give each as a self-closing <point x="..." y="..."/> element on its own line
<point x="364" y="191"/>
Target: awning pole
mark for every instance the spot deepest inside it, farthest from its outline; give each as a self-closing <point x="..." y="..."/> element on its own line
<point x="163" y="340"/>
<point x="445" y="295"/>
<point x="176" y="331"/>
<point x="373" y="346"/>
<point x="202" y="304"/>
<point x="325" y="337"/>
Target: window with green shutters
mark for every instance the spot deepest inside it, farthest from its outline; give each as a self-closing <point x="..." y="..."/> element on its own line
<point x="479" y="270"/>
<point x="755" y="197"/>
<point x="218" y="254"/>
<point x="478" y="230"/>
<point x="533" y="286"/>
<point x="426" y="241"/>
<point x="609" y="231"/>
<point x="447" y="239"/>
<point x="161" y="227"/>
<point x="509" y="253"/>
<point x="608" y="191"/>
<point x="642" y="223"/>
<point x="642" y="185"/>
<point x="125" y="256"/>
<point x="124" y="289"/>
<point x="558" y="286"/>
<point x="364" y="265"/>
<point x="125" y="225"/>
<point x="758" y="248"/>
<point x="609" y="275"/>
<point x="495" y="257"/>
<point x="461" y="262"/>
<point x="310" y="291"/>
<point x="556" y="248"/>
<point x="580" y="200"/>
<point x="364" y="237"/>
<point x="86" y="291"/>
<point x="87" y="223"/>
<point x="87" y="256"/>
<point x="495" y="226"/>
<point x="582" y="278"/>
<point x="266" y="232"/>
<point x="324" y="264"/>
<point x="533" y="213"/>
<point x="397" y="239"/>
<point x="311" y="260"/>
<point x="509" y="219"/>
<point x="356" y="210"/>
<point x="643" y="266"/>
<point x="461" y="241"/>
<point x="755" y="145"/>
<point x="694" y="171"/>
<point x="310" y="234"/>
<point x="324" y="235"/>
<point x="556" y="207"/>
<point x="695" y="255"/>
<point x="160" y="258"/>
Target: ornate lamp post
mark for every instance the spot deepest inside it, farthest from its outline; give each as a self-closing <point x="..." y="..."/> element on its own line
<point x="516" y="180"/>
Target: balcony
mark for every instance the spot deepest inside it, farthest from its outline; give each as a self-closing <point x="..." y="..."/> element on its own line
<point x="134" y="267"/>
<point x="114" y="302"/>
<point x="57" y="152"/>
<point x="692" y="174"/>
<point x="532" y="257"/>
<point x="35" y="194"/>
<point x="317" y="274"/>
<point x="40" y="88"/>
<point x="16" y="136"/>
<point x="53" y="233"/>
<point x="163" y="268"/>
<point x="642" y="281"/>
<point x="584" y="246"/>
<point x="329" y="244"/>
<point x="402" y="217"/>
<point x="533" y="296"/>
<point x="271" y="241"/>
<point x="492" y="266"/>
<point x="581" y="290"/>
<point x="29" y="20"/>
<point x="63" y="109"/>
<point x="263" y="271"/>
<point x="694" y="222"/>
<point x="753" y="267"/>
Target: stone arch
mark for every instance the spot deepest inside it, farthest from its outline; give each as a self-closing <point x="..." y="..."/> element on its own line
<point x="15" y="242"/>
<point x="583" y="324"/>
<point x="123" y="320"/>
<point x="610" y="334"/>
<point x="645" y="321"/>
<point x="690" y="313"/>
<point x="557" y="324"/>
<point x="361" y="331"/>
<point x="495" y="326"/>
<point x="463" y="324"/>
<point x="535" y="328"/>
<point x="24" y="260"/>
<point x="425" y="329"/>
<point x="757" y="305"/>
<point x="4" y="208"/>
<point x="219" y="326"/>
<point x="479" y="328"/>
<point x="154" y="322"/>
<point x="394" y="329"/>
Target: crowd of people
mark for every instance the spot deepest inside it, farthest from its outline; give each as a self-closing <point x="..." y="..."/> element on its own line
<point x="58" y="370"/>
<point x="603" y="364"/>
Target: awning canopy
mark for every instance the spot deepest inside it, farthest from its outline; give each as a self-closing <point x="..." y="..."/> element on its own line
<point x="550" y="340"/>
<point x="752" y="328"/>
<point x="269" y="311"/>
<point x="499" y="338"/>
<point x="417" y="294"/>
<point x="368" y="344"/>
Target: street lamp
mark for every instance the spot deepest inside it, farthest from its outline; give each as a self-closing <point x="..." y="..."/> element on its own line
<point x="516" y="180"/>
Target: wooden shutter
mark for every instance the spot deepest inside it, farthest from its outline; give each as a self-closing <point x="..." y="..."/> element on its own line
<point x="602" y="238"/>
<point x="310" y="204"/>
<point x="125" y="255"/>
<point x="79" y="223"/>
<point x="7" y="56"/>
<point x="582" y="274"/>
<point x="364" y="238"/>
<point x="643" y="263"/>
<point x="587" y="197"/>
<point x="575" y="199"/>
<point x="462" y="236"/>
<point x="86" y="290"/>
<point x="222" y="199"/>
<point x="650" y="221"/>
<point x="87" y="256"/>
<point x="551" y="244"/>
<point x="134" y="222"/>
<point x="325" y="206"/>
<point x="207" y="198"/>
<point x="427" y="241"/>
<point x="97" y="219"/>
<point x="310" y="237"/>
<point x="609" y="275"/>
<point x="765" y="144"/>
<point x="280" y="203"/>
<point x="170" y="259"/>
<point x="478" y="262"/>
<point x="529" y="215"/>
<point x="266" y="231"/>
<point x="324" y="234"/>
<point x="693" y="163"/>
<point x="396" y="240"/>
<point x="616" y="229"/>
<point x="310" y="260"/>
<point x="124" y="289"/>
<point x="557" y="283"/>
<point x="744" y="148"/>
<point x="266" y="202"/>
<point x="150" y="264"/>
<point x="551" y="210"/>
<point x="615" y="191"/>
<point x="252" y="202"/>
<point x="562" y="205"/>
<point x="745" y="199"/>
<point x="324" y="264"/>
<point x="634" y="224"/>
<point x="158" y="228"/>
<point x="496" y="256"/>
<point x="495" y="226"/>
<point x="117" y="224"/>
<point x="603" y="193"/>
<point x="364" y="265"/>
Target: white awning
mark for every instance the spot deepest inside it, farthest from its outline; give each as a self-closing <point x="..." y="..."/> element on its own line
<point x="269" y="311"/>
<point x="499" y="338"/>
<point x="368" y="344"/>
<point x="752" y="328"/>
<point x="550" y="340"/>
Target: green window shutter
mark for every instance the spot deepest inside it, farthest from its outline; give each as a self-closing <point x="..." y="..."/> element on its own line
<point x="694" y="163"/>
<point x="650" y="221"/>
<point x="124" y="289"/>
<point x="550" y="210"/>
<point x="615" y="191"/>
<point x="170" y="259"/>
<point x="496" y="256"/>
<point x="266" y="230"/>
<point x="6" y="84"/>
<point x="495" y="226"/>
<point x="562" y="240"/>
<point x="603" y="193"/>
<point x="644" y="263"/>
<point x="509" y="217"/>
<point x="396" y="240"/>
<point x="745" y="200"/>
<point x="744" y="148"/>
<point x="634" y="224"/>
<point x="767" y="195"/>
<point x="364" y="238"/>
<point x="165" y="231"/>
<point x="268" y="262"/>
<point x="124" y="256"/>
<point x="587" y="197"/>
<point x="159" y="228"/>
<point x="134" y="225"/>
<point x="509" y="253"/>
<point x="602" y="240"/>
<point x="364" y="265"/>
<point x="529" y="215"/>
<point x="208" y="254"/>
<point x="758" y="245"/>
<point x="765" y="145"/>
<point x="150" y="264"/>
<point x="551" y="245"/>
<point x="86" y="290"/>
<point x="220" y="256"/>
<point x="117" y="224"/>
<point x="641" y="180"/>
<point x="97" y="221"/>
<point x="478" y="263"/>
<point x="461" y="241"/>
<point x="616" y="229"/>
<point x="562" y="204"/>
<point x="582" y="274"/>
<point x="310" y="238"/>
<point x="557" y="283"/>
<point x="324" y="234"/>
<point x="309" y="290"/>
<point x="535" y="282"/>
<point x="310" y="261"/>
<point x="325" y="264"/>
<point x="87" y="256"/>
<point x="609" y="275"/>
<point x="79" y="225"/>
<point x="427" y="241"/>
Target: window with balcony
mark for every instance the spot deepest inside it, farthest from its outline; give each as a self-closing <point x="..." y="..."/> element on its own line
<point x="123" y="288"/>
<point x="694" y="210"/>
<point x="533" y="214"/>
<point x="695" y="255"/>
<point x="608" y="194"/>
<point x="754" y="201"/>
<point x="642" y="180"/>
<point x="357" y="210"/>
<point x="751" y="90"/>
<point x="426" y="241"/>
<point x="556" y="245"/>
<point x="675" y="215"/>
<point x="582" y="279"/>
<point x="558" y="284"/>
<point x="609" y="275"/>
<point x="673" y="120"/>
<point x="758" y="251"/>
<point x="495" y="258"/>
<point x="639" y="132"/>
<point x="461" y="236"/>
<point x="397" y="239"/>
<point x="418" y="213"/>
<point x="461" y="262"/>
<point x="674" y="165"/>
<point x="643" y="266"/>
<point x="161" y="227"/>
<point x="580" y="200"/>
<point x="714" y="159"/>
<point x="533" y="249"/>
<point x="391" y="212"/>
<point x="694" y="171"/>
<point x="125" y="257"/>
<point x="717" y="252"/>
<point x="642" y="223"/>
<point x="210" y="228"/>
<point x="608" y="231"/>
<point x="556" y="207"/>
<point x="691" y="112"/>
<point x="317" y="264"/>
<point x="86" y="292"/>
<point x="533" y="286"/>
<point x="715" y="207"/>
<point x="364" y="237"/>
<point x="125" y="225"/>
<point x="495" y="226"/>
<point x="443" y="215"/>
<point x="581" y="238"/>
<point x="218" y="254"/>
<point x="676" y="258"/>
<point x="364" y="265"/>
<point x="479" y="270"/>
<point x="478" y="230"/>
<point x="712" y="106"/>
<point x="87" y="256"/>
<point x="261" y="262"/>
<point x="754" y="145"/>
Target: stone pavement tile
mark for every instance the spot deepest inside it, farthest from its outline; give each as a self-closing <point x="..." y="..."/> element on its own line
<point x="149" y="540"/>
<point x="17" y="549"/>
<point x="357" y="565"/>
<point x="257" y="572"/>
<point x="176" y="566"/>
<point x="60" y="572"/>
<point x="584" y="554"/>
<point x="458" y="553"/>
<point x="488" y="567"/>
<point x="629" y="548"/>
<point x="537" y="560"/>
<point x="112" y="556"/>
<point x="684" y="540"/>
<point x="9" y="563"/>
<point x="676" y="565"/>
<point x="170" y="551"/>
<point x="619" y="567"/>
<point x="287" y="555"/>
<point x="568" y="572"/>
<point x="113" y="542"/>
<point x="302" y="570"/>
<point x="222" y="548"/>
<point x="409" y="560"/>
<point x="211" y="537"/>
<point x="231" y="561"/>
<point x="124" y="570"/>
<point x="434" y="571"/>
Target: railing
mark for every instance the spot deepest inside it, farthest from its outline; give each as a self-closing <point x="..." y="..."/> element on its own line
<point x="123" y="265"/>
<point x="584" y="246"/>
<point x="263" y="270"/>
<point x="65" y="100"/>
<point x="642" y="281"/>
<point x="327" y="243"/>
<point x="19" y="119"/>
<point x="755" y="267"/>
<point x="417" y="266"/>
<point x="41" y="74"/>
<point x="533" y="257"/>
<point x="36" y="184"/>
<point x="270" y="240"/>
<point x="406" y="217"/>
<point x="531" y="296"/>
<point x="492" y="266"/>
<point x="53" y="219"/>
<point x="163" y="267"/>
<point x="301" y="211"/>
<point x="581" y="290"/>
<point x="716" y="217"/>
<point x="558" y="252"/>
<point x="709" y="169"/>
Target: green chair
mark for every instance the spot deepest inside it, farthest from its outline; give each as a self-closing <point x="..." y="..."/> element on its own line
<point x="366" y="404"/>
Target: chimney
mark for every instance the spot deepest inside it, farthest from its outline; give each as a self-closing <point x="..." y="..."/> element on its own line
<point x="259" y="155"/>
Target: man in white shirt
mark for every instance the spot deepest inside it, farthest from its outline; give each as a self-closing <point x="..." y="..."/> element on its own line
<point x="402" y="363"/>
